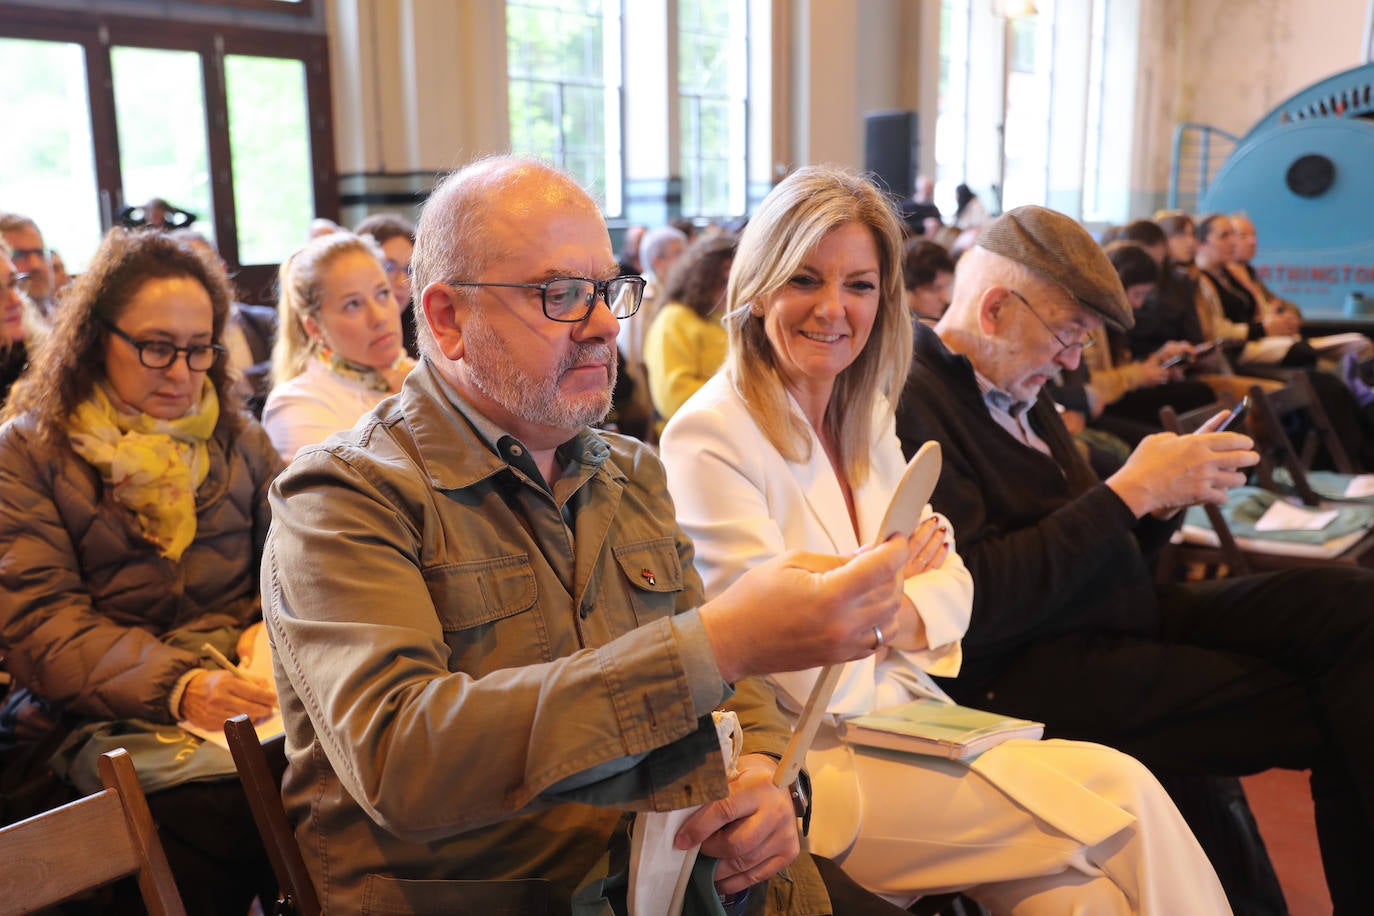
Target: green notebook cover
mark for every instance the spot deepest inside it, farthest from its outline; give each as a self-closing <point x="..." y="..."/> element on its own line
<point x="937" y="729"/>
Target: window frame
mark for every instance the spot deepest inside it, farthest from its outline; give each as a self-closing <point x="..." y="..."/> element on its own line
<point x="614" y="203"/>
<point x="738" y="108"/>
<point x="97" y="33"/>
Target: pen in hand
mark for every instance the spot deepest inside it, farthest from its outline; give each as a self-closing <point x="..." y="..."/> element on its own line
<point x="220" y="659"/>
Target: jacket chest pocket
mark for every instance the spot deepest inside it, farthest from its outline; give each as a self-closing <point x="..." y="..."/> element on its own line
<point x="653" y="571"/>
<point x="488" y="609"/>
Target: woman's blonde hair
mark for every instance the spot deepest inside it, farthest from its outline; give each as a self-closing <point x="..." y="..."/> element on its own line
<point x="792" y="220"/>
<point x="300" y="282"/>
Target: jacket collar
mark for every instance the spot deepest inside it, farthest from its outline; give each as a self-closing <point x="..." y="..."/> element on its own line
<point x="458" y="447"/>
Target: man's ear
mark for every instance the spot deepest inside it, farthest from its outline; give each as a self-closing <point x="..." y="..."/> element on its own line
<point x="447" y="313"/>
<point x="992" y="309"/>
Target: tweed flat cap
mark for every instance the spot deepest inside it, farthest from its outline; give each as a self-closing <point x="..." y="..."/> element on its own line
<point x="1056" y="247"/>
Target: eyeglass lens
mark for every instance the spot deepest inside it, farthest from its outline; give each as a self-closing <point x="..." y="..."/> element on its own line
<point x="573" y="298"/>
<point x="157" y="354"/>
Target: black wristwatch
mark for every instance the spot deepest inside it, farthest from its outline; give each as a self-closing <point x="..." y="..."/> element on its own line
<point x="800" y="790"/>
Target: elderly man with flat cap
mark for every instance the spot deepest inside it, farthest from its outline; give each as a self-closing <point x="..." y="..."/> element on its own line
<point x="1222" y="677"/>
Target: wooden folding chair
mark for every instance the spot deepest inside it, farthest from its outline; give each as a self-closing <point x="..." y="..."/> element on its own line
<point x="260" y="766"/>
<point x="86" y="844"/>
<point x="1228" y="557"/>
<point x="1276" y="448"/>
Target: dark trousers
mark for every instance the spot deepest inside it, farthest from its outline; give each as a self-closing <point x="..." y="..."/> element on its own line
<point x="1274" y="670"/>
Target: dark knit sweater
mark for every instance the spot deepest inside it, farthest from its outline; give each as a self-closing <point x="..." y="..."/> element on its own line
<point x="1051" y="551"/>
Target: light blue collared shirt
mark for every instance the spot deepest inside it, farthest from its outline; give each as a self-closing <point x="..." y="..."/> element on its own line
<point x="1010" y="414"/>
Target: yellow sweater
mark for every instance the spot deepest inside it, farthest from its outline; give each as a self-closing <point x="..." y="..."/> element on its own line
<point x="682" y="351"/>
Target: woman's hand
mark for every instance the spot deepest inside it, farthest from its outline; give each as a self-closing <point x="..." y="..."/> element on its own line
<point x="1156" y="373"/>
<point x="213" y="696"/>
<point x="247" y="642"/>
<point x="926" y="548"/>
<point x="1282" y="322"/>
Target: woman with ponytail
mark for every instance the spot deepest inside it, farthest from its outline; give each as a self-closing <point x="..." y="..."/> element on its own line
<point x="339" y="350"/>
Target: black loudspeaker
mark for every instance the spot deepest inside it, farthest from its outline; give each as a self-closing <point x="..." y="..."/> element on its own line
<point x="890" y="149"/>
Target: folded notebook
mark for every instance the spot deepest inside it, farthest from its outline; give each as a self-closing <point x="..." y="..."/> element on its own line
<point x="937" y="729"/>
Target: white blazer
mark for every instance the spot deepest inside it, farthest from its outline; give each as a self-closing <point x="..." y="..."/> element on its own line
<point x="742" y="503"/>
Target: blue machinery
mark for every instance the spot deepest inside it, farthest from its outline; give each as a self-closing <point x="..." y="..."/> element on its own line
<point x="1305" y="176"/>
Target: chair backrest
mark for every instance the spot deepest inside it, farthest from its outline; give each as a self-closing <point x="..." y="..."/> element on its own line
<point x="260" y="765"/>
<point x="88" y="843"/>
<point x="1190" y="421"/>
<point x="1276" y="449"/>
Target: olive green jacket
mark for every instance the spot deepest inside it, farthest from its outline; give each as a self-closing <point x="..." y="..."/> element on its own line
<point x="455" y="645"/>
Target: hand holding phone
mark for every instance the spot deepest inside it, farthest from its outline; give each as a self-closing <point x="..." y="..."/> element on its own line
<point x="1236" y="417"/>
<point x="1188" y="358"/>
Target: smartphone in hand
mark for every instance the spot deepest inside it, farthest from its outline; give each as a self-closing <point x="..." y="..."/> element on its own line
<point x="1181" y="358"/>
<point x="1208" y="347"/>
<point x="1236" y="417"/>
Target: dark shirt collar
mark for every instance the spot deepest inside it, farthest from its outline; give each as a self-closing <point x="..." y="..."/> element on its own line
<point x="460" y="446"/>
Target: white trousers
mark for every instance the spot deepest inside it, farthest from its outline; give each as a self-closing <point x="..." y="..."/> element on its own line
<point x="931" y="826"/>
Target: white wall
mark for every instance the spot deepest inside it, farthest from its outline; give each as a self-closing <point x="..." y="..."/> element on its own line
<point x="1228" y="63"/>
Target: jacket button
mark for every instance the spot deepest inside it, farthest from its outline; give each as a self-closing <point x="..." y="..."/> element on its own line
<point x="584" y="610"/>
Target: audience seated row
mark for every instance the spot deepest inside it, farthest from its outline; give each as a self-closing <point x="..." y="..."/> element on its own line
<point x="481" y="562"/>
<point x="135" y="513"/>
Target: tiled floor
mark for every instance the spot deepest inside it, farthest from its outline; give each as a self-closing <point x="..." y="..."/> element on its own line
<point x="1282" y="804"/>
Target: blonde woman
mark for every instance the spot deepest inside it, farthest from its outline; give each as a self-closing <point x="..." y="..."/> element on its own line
<point x="793" y="447"/>
<point x="339" y="350"/>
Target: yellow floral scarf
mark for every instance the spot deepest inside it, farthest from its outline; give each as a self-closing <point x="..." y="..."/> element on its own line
<point x="155" y="466"/>
<point x="368" y="377"/>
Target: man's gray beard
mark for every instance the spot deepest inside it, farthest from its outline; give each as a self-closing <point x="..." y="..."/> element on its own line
<point x="534" y="400"/>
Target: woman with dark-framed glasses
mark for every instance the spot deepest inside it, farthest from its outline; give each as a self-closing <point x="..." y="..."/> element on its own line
<point x="339" y="346"/>
<point x="134" y="495"/>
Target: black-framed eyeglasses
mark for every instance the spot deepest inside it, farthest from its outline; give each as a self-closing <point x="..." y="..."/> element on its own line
<point x="1086" y="343"/>
<point x="159" y="354"/>
<point x="19" y="283"/>
<point x="571" y="299"/>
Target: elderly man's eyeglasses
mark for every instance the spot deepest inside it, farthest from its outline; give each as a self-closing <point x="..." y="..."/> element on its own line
<point x="23" y="254"/>
<point x="572" y="299"/>
<point x="1085" y="343"/>
<point x="159" y="354"/>
<point x="19" y="283"/>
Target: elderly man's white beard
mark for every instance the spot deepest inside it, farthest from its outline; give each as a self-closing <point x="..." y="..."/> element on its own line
<point x="534" y="399"/>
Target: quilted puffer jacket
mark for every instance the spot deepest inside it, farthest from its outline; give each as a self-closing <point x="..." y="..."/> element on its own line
<point x="89" y="612"/>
